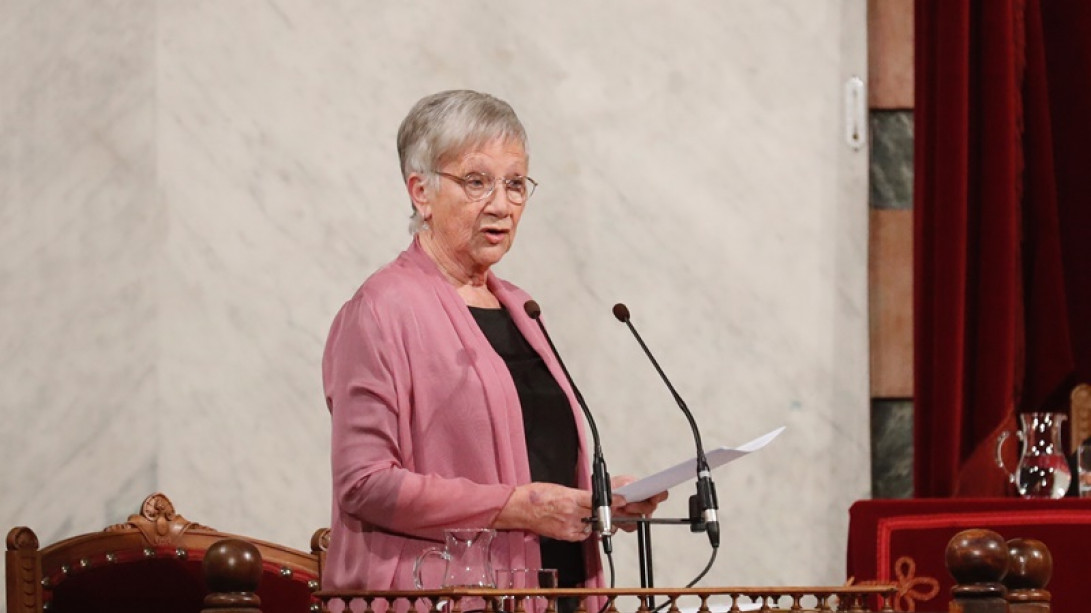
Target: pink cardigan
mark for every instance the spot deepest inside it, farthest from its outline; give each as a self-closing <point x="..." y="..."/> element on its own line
<point x="427" y="427"/>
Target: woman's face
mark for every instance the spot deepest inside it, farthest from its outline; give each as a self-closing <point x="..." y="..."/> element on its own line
<point x="468" y="237"/>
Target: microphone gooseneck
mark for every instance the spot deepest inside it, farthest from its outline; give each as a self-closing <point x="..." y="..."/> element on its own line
<point x="600" y="478"/>
<point x="706" y="489"/>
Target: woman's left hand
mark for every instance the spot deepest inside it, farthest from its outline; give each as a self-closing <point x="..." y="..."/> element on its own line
<point x="621" y="506"/>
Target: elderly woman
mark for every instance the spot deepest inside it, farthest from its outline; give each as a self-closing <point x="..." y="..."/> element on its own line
<point x="448" y="408"/>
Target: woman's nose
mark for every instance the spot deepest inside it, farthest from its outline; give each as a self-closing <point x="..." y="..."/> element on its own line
<point x="498" y="202"/>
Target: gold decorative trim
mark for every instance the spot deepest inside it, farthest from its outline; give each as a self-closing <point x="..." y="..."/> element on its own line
<point x="908" y="584"/>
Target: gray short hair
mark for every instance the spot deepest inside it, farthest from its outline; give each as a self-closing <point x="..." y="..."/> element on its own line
<point x="444" y="125"/>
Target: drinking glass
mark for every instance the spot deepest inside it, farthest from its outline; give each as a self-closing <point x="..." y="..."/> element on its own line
<point x="1083" y="468"/>
<point x="525" y="579"/>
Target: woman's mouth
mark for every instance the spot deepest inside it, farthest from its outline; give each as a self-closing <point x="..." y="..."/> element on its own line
<point x="495" y="235"/>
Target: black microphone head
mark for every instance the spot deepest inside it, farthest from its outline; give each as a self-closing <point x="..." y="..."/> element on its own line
<point x="621" y="312"/>
<point x="533" y="310"/>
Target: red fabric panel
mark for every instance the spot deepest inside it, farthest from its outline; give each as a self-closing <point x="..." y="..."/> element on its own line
<point x="966" y="221"/>
<point x="1066" y="27"/>
<point x="881" y="532"/>
<point x="935" y="471"/>
<point x="1049" y="357"/>
<point x="169" y="586"/>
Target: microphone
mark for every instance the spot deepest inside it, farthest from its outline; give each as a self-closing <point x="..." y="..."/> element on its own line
<point x="600" y="478"/>
<point x="706" y="489"/>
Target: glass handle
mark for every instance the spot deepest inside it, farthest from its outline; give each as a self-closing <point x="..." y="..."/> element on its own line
<point x="431" y="551"/>
<point x="1000" y="457"/>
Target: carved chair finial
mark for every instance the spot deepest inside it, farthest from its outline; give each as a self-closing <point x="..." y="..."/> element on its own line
<point x="158" y="521"/>
<point x="978" y="560"/>
<point x="320" y="540"/>
<point x="232" y="570"/>
<point x="1029" y="571"/>
<point x="21" y="538"/>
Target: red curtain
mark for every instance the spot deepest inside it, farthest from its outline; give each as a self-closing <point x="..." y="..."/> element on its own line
<point x="1002" y="197"/>
<point x="1066" y="41"/>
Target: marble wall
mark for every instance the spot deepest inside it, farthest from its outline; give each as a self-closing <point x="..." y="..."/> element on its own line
<point x="190" y="189"/>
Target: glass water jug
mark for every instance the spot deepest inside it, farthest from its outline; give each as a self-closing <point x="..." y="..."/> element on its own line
<point x="1042" y="471"/>
<point x="466" y="555"/>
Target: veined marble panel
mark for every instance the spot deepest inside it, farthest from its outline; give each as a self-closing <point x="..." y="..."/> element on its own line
<point x="692" y="166"/>
<point x="79" y="229"/>
<point x="892" y="448"/>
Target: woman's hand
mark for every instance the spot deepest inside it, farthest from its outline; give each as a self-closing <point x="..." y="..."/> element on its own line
<point x="547" y="509"/>
<point x="622" y="507"/>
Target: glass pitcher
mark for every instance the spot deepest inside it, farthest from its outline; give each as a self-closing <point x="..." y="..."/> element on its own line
<point x="1042" y="471"/>
<point x="467" y="559"/>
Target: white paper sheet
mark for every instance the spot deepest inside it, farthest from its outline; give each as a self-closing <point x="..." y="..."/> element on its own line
<point x="687" y="471"/>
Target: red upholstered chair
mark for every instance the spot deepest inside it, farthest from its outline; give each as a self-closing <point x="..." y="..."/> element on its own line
<point x="152" y="562"/>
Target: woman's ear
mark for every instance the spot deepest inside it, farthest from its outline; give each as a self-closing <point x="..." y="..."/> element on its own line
<point x="420" y="195"/>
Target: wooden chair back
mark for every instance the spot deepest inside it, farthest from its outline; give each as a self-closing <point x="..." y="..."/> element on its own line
<point x="150" y="562"/>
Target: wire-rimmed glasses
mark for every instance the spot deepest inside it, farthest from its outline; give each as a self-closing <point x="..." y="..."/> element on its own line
<point x="481" y="185"/>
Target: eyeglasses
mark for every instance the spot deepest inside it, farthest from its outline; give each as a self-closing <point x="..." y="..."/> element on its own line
<point x="480" y="185"/>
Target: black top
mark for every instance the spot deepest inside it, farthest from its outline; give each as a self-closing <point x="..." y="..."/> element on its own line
<point x="549" y="427"/>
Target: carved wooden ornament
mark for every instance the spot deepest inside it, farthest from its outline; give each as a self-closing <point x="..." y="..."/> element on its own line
<point x="158" y="521"/>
